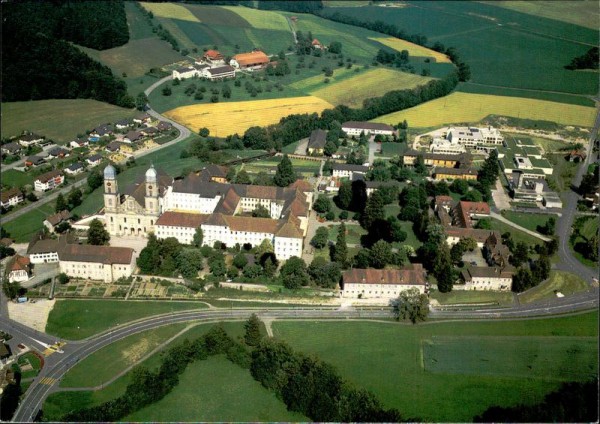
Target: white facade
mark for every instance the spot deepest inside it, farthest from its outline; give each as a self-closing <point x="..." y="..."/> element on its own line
<point x="286" y="247"/>
<point x="49" y="184"/>
<point x="356" y="131"/>
<point x="473" y="136"/>
<point x="185" y="73"/>
<point x="444" y="146"/>
<point x="26" y="143"/>
<point x="192" y="202"/>
<point x="349" y="173"/>
<point x="378" y="291"/>
<point x="12" y="200"/>
<point x="489" y="283"/>
<point x="97" y="271"/>
<point x="19" y="275"/>
<point x="45" y="257"/>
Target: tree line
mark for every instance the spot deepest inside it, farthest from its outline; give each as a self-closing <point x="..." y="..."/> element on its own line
<point x="40" y="63"/>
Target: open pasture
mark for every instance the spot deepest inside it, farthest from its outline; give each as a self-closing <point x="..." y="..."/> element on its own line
<point x="170" y="11"/>
<point x="216" y="15"/>
<point x="136" y="22"/>
<point x="372" y="83"/>
<point x="59" y="120"/>
<point x="223" y="119"/>
<point x="315" y="82"/>
<point x="262" y="19"/>
<point x="412" y="48"/>
<point x="560" y="358"/>
<point x="471" y="108"/>
<point x="359" y="349"/>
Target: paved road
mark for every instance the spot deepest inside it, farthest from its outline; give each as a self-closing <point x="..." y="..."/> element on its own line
<point x="21" y="162"/>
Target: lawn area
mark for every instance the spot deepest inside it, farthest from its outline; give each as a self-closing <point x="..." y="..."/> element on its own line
<point x="461" y="107"/>
<point x="290" y="148"/>
<point x="263" y="19"/>
<point x="21" y="229"/>
<point x="353" y="233"/>
<point x="411" y="238"/>
<point x="561" y="281"/>
<point x="228" y="381"/>
<point x="473" y="296"/>
<point x="32" y="359"/>
<point x="588" y="226"/>
<point x="78" y="319"/>
<point x="393" y="149"/>
<point x="14" y="178"/>
<point x="443" y="394"/>
<point x="527" y="220"/>
<point x="236" y="117"/>
<point x="107" y="362"/>
<point x="76" y="116"/>
<point x="547" y="144"/>
<point x="517" y="235"/>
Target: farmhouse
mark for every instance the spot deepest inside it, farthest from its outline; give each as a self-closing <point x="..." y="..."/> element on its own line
<point x="124" y="123"/>
<point x="356" y="128"/>
<point x="441" y="173"/>
<point x="75" y="168"/>
<point x="94" y="160"/>
<point x="253" y="60"/>
<point x="185" y="72"/>
<point x="11" y="197"/>
<point x="11" y="149"/>
<point x="488" y="278"/>
<point x="79" y="142"/>
<point x="472" y="136"/>
<point x="19" y="269"/>
<point x="316" y="142"/>
<point x="220" y="72"/>
<point x="104" y="263"/>
<point x="53" y="220"/>
<point x="30" y="139"/>
<point x="345" y="170"/>
<point x="42" y="250"/>
<point x="316" y="44"/>
<point x="214" y="57"/>
<point x="382" y="283"/>
<point x="49" y="180"/>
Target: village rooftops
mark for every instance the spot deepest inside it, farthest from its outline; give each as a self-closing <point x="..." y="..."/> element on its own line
<point x="317" y="140"/>
<point x="107" y="255"/>
<point x="19" y="263"/>
<point x="30" y="137"/>
<point x="59" y="217"/>
<point x="371" y="126"/>
<point x="213" y="55"/>
<point x="479" y="235"/>
<point x="11" y="147"/>
<point x="410" y="275"/>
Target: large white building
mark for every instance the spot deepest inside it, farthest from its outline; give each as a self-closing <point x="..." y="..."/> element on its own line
<point x="488" y="278"/>
<point x="176" y="208"/>
<point x="382" y="283"/>
<point x="445" y="146"/>
<point x="346" y="170"/>
<point x="472" y="136"/>
<point x="355" y="128"/>
<point x="101" y="263"/>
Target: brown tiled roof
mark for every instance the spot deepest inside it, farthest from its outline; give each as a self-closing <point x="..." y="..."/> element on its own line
<point x="487" y="272"/>
<point x="367" y="125"/>
<point x="302" y="185"/>
<point x="19" y="263"/>
<point x="228" y="204"/>
<point x="216" y="170"/>
<point x="97" y="254"/>
<point x="213" y="54"/>
<point x="42" y="246"/>
<point x="251" y="224"/>
<point x="289" y="230"/>
<point x="10" y="193"/>
<point x="412" y="275"/>
<point x="57" y="218"/>
<point x="48" y="176"/>
<point x="455" y="171"/>
<point x="181" y="219"/>
<point x="464" y="209"/>
<point x="479" y="235"/>
<point x="253" y="58"/>
<point x="317" y="140"/>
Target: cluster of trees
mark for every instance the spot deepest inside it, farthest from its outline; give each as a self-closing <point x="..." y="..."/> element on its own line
<point x="74" y="199"/>
<point x="36" y="47"/>
<point x="411" y="306"/>
<point x="488" y="174"/>
<point x="285" y="174"/>
<point x="590" y="181"/>
<point x="9" y="401"/>
<point x="588" y="246"/>
<point x="589" y="60"/>
<point x="528" y="277"/>
<point x="168" y="257"/>
<point x="294" y="273"/>
<point x="97" y="234"/>
<point x="381" y="254"/>
<point x="314" y="388"/>
<point x="573" y="402"/>
<point x="398" y="59"/>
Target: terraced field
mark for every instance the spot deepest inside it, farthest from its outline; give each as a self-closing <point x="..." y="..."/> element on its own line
<point x="373" y="83"/>
<point x="413" y="49"/>
<point x="470" y="108"/>
<point x="223" y="119"/>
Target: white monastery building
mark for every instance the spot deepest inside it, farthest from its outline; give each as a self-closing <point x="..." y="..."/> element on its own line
<point x="382" y="283"/>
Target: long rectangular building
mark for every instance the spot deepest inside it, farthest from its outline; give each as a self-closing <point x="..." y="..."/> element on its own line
<point x="382" y="283"/>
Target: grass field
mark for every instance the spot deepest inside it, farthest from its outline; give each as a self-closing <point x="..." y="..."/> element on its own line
<point x="136" y="22"/>
<point x="233" y="396"/>
<point x="216" y="15"/>
<point x="393" y="149"/>
<point x="15" y="178"/>
<point x="269" y="165"/>
<point x="472" y="296"/>
<point x="413" y="49"/>
<point x="107" y="362"/>
<point x="263" y="19"/>
<point x="583" y="13"/>
<point x="359" y="349"/>
<point x="170" y="11"/>
<point x="353" y="233"/>
<point x="517" y="235"/>
<point x="21" y="229"/>
<point x="561" y="281"/>
<point x="229" y="118"/>
<point x="29" y="359"/>
<point x="471" y="108"/>
<point x="527" y="220"/>
<point x="315" y="82"/>
<point x="372" y="83"/>
<point x="136" y="57"/>
<point x="59" y="120"/>
<point x="78" y="319"/>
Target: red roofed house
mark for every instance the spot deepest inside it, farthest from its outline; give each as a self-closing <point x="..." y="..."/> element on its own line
<point x="465" y="212"/>
<point x="382" y="283"/>
<point x="252" y="60"/>
<point x="213" y="56"/>
<point x="20" y="268"/>
<point x="316" y="44"/>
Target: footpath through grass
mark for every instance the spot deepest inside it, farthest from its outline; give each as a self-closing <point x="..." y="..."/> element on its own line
<point x="388" y="359"/>
<point x="531" y="221"/>
<point x="78" y="319"/>
<point x="559" y="281"/>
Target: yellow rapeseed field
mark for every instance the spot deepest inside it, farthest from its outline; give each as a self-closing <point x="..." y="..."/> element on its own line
<point x="170" y="11"/>
<point x="263" y="19"/>
<point x="413" y="49"/>
<point x="467" y="107"/>
<point x="228" y="118"/>
<point x="372" y="83"/>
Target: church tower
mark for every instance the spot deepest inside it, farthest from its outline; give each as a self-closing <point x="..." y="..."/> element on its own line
<point x="151" y="199"/>
<point x="111" y="190"/>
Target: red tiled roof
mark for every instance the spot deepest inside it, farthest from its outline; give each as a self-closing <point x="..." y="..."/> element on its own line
<point x="253" y="58"/>
<point x="213" y="54"/>
<point x="20" y="263"/>
<point x="479" y="235"/>
<point x="302" y="185"/>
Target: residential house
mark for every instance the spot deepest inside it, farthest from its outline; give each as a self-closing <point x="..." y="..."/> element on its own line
<point x="11" y="197"/>
<point x="384" y="284"/>
<point x="132" y="137"/>
<point x="164" y="126"/>
<point x="488" y="278"/>
<point x="467" y="174"/>
<point x="214" y="57"/>
<point x="19" y="269"/>
<point x="214" y="173"/>
<point x="75" y="168"/>
<point x="253" y="60"/>
<point x="34" y="161"/>
<point x="42" y="250"/>
<point x="124" y="123"/>
<point x="149" y="131"/>
<point x="49" y="180"/>
<point x="369" y="128"/>
<point x="113" y="147"/>
<point x="30" y="139"/>
<point x="79" y="142"/>
<point x="53" y="220"/>
<point x="220" y="72"/>
<point x="316" y="44"/>
<point x="143" y="119"/>
<point x="316" y="142"/>
<point x="104" y="130"/>
<point x="184" y="72"/>
<point x="94" y="160"/>
<point x="11" y="149"/>
<point x="345" y="170"/>
<point x="58" y="152"/>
